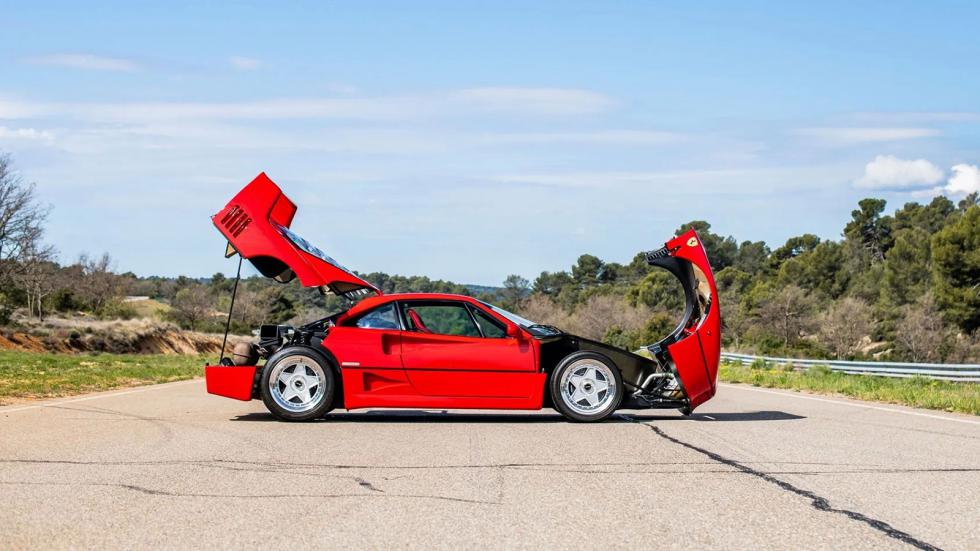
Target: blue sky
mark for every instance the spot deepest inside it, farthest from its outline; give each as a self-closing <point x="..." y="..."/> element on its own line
<point x="469" y="141"/>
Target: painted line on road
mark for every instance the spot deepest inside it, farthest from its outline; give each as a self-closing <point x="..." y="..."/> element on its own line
<point x="852" y="404"/>
<point x="97" y="396"/>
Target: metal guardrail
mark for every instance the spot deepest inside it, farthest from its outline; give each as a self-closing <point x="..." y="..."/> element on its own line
<point x="945" y="372"/>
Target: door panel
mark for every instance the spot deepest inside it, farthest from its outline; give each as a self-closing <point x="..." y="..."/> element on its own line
<point x="452" y="353"/>
<point x="370" y="365"/>
<point x="446" y="365"/>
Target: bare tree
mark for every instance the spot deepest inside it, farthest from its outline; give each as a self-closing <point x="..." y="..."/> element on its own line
<point x="921" y="333"/>
<point x="542" y="309"/>
<point x="98" y="285"/>
<point x="21" y="220"/>
<point x="736" y="318"/>
<point x="789" y="313"/>
<point x="596" y="316"/>
<point x="38" y="276"/>
<point x="844" y="325"/>
<point x="192" y="305"/>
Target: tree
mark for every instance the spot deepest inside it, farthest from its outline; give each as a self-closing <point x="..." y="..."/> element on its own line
<point x="99" y="285"/>
<point x="514" y="292"/>
<point x="752" y="256"/>
<point x="735" y="318"/>
<point x="794" y="247"/>
<point x="789" y="313"/>
<point x="956" y="269"/>
<point x="38" y="277"/>
<point x="906" y="270"/>
<point x="921" y="334"/>
<point x="551" y="284"/>
<point x="192" y="306"/>
<point x="587" y="270"/>
<point x="22" y="219"/>
<point x="721" y="250"/>
<point x="844" y="325"/>
<point x="869" y="230"/>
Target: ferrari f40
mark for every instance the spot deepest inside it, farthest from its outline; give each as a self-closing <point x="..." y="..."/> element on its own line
<point x="427" y="350"/>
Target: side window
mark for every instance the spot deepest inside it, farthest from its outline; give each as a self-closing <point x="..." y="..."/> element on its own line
<point x="492" y="329"/>
<point x="442" y="319"/>
<point x="382" y="317"/>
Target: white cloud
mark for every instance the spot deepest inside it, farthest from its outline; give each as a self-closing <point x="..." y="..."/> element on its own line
<point x="468" y="102"/>
<point x="965" y="179"/>
<point x="856" y="135"/>
<point x="28" y="134"/>
<point x="244" y="63"/>
<point x="599" y="137"/>
<point x="86" y="62"/>
<point x="888" y="171"/>
<point x="551" y="101"/>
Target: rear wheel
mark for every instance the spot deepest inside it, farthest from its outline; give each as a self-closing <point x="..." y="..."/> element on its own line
<point x="297" y="385"/>
<point x="586" y="387"/>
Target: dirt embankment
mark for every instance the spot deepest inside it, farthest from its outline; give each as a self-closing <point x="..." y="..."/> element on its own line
<point x="118" y="337"/>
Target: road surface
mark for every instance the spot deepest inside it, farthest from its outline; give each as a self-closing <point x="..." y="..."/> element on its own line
<point x="170" y="466"/>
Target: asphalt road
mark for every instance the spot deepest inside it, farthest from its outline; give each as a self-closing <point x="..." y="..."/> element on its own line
<point x="169" y="466"/>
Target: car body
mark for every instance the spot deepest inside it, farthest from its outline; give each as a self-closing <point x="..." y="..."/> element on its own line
<point x="431" y="350"/>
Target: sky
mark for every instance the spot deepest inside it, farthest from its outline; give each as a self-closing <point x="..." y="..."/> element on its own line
<point x="472" y="140"/>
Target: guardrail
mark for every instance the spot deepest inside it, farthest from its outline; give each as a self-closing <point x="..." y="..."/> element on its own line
<point x="945" y="372"/>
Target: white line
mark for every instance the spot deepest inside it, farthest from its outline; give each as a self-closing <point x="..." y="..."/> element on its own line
<point x="852" y="404"/>
<point x="4" y="411"/>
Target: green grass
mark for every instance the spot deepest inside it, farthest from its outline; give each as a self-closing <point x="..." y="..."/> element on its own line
<point x="40" y="375"/>
<point x="916" y="392"/>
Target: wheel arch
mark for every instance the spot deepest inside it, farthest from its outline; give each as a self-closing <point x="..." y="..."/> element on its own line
<point x="327" y="356"/>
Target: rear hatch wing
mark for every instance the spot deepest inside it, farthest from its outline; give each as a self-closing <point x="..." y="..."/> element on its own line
<point x="256" y="223"/>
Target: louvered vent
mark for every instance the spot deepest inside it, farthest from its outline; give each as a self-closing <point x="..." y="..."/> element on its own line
<point x="235" y="220"/>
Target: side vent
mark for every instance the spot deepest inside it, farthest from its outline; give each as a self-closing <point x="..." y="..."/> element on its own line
<point x="235" y="220"/>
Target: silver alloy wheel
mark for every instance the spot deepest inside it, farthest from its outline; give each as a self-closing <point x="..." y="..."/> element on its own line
<point x="297" y="384"/>
<point x="588" y="386"/>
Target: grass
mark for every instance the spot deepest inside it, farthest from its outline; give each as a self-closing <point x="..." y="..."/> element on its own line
<point x="915" y="392"/>
<point x="42" y="375"/>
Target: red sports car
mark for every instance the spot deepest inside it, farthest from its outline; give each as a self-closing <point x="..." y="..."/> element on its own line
<point x="449" y="351"/>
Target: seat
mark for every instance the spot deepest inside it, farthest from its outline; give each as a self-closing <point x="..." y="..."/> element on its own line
<point x="417" y="322"/>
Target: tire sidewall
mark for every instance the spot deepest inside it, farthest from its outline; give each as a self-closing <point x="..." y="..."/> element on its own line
<point x="326" y="402"/>
<point x="555" y="387"/>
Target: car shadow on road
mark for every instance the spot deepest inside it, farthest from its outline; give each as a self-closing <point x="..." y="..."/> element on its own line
<point x="438" y="416"/>
<point x="716" y="417"/>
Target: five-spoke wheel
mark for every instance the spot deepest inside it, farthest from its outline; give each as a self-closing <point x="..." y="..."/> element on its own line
<point x="297" y="384"/>
<point x="586" y="387"/>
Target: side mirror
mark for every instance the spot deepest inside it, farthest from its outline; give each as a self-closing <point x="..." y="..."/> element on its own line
<point x="513" y="331"/>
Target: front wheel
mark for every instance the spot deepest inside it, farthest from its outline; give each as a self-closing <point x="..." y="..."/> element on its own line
<point x="297" y="385"/>
<point x="586" y="387"/>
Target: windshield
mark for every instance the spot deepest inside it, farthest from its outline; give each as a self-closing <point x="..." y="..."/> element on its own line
<point x="534" y="328"/>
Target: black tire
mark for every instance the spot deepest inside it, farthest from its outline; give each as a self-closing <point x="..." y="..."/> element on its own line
<point x="686" y="411"/>
<point x="564" y="389"/>
<point x="305" y="384"/>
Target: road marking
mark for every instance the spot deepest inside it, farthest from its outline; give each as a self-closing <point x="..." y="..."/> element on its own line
<point x="97" y="397"/>
<point x="840" y="402"/>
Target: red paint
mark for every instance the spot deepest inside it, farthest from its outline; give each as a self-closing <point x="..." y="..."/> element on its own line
<point x="230" y="381"/>
<point x="423" y="369"/>
<point x="252" y="222"/>
<point x="697" y="355"/>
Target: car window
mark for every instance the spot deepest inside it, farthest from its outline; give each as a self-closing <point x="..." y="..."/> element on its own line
<point x="492" y="328"/>
<point x="443" y="319"/>
<point x="382" y="317"/>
